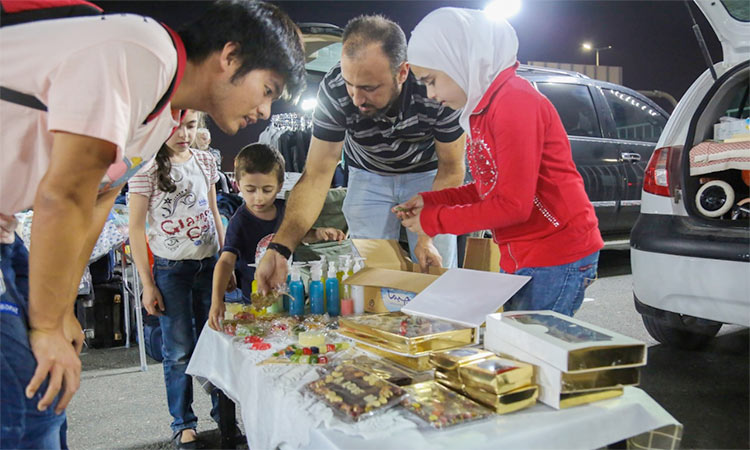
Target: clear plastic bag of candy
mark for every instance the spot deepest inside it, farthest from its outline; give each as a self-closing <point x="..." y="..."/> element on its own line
<point x="353" y="393"/>
<point x="441" y="407"/>
<point x="314" y="355"/>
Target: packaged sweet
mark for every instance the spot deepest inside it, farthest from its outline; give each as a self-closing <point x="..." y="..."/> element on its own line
<point x="399" y="332"/>
<point x="449" y="378"/>
<point x="507" y="402"/>
<point x="384" y="369"/>
<point x="440" y="406"/>
<point x="416" y="363"/>
<point x="230" y="326"/>
<point x="295" y="354"/>
<point x="451" y="359"/>
<point x="355" y="394"/>
<point x="496" y="375"/>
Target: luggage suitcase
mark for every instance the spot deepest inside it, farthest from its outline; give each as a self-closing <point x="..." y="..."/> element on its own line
<point x="108" y="310"/>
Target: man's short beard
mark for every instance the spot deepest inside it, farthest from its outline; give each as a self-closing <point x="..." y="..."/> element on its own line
<point x="395" y="94"/>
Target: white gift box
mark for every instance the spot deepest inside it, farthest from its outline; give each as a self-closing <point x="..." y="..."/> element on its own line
<point x="568" y="344"/>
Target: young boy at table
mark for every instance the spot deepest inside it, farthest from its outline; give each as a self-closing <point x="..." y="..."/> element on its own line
<point x="259" y="173"/>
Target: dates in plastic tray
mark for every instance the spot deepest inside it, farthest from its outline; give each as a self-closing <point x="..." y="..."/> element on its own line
<point x="440" y="406"/>
<point x="355" y="394"/>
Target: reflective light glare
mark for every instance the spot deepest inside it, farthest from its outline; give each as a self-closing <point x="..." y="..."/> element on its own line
<point x="502" y="9"/>
<point x="309" y="104"/>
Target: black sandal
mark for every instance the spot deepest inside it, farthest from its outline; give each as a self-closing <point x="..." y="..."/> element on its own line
<point x="185" y="445"/>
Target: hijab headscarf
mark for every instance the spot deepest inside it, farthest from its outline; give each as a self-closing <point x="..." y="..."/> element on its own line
<point x="466" y="45"/>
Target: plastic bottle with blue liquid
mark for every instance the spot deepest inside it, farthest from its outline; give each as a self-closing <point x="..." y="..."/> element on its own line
<point x="332" y="291"/>
<point x="317" y="306"/>
<point x="296" y="290"/>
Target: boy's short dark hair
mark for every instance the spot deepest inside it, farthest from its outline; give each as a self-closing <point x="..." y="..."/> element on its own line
<point x="259" y="158"/>
<point x="268" y="40"/>
<point x="367" y="29"/>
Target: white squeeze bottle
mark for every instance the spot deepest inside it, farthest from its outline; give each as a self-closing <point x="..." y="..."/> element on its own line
<point x="358" y="292"/>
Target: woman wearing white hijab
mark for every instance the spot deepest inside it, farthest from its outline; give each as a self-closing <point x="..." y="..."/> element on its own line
<point x="526" y="187"/>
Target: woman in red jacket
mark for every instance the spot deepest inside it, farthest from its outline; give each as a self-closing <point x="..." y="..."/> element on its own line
<point x="526" y="187"/>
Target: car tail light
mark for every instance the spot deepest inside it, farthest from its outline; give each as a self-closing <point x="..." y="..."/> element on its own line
<point x="657" y="177"/>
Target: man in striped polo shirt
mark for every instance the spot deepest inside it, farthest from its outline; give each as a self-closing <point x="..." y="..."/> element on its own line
<point x="396" y="141"/>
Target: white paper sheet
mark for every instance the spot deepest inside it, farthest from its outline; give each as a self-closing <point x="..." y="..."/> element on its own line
<point x="465" y="296"/>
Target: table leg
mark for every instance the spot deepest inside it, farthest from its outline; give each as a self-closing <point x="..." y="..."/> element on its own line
<point x="227" y="421"/>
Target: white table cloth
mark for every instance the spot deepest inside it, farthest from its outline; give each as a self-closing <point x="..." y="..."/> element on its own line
<point x="276" y="414"/>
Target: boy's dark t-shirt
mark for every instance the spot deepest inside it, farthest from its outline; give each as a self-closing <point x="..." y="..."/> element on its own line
<point x="244" y="232"/>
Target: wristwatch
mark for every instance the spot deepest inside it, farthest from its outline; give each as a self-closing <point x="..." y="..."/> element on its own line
<point x="282" y="250"/>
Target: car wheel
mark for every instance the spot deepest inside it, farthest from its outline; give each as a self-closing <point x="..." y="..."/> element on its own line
<point x="696" y="336"/>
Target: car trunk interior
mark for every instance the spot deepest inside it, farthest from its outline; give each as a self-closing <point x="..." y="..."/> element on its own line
<point x="715" y="184"/>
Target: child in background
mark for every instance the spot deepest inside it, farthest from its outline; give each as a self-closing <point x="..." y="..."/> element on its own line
<point x="259" y="172"/>
<point x="175" y="194"/>
<point x="526" y="188"/>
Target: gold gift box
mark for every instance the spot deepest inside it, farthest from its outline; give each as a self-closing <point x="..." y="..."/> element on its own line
<point x="582" y="398"/>
<point x="601" y="379"/>
<point x="507" y="402"/>
<point x="452" y="359"/>
<point x="416" y="363"/>
<point x="449" y="378"/>
<point x="385" y="369"/>
<point x="496" y="375"/>
<point x="399" y="332"/>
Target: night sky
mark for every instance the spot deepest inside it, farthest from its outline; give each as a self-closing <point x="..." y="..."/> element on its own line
<point x="652" y="40"/>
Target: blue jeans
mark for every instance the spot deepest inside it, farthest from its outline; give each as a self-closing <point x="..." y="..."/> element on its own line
<point x="557" y="288"/>
<point x="368" y="203"/>
<point x="185" y="287"/>
<point x="21" y="424"/>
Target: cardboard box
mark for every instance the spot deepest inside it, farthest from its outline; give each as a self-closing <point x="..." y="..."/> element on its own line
<point x="390" y="278"/>
<point x="727" y="130"/>
<point x="568" y="344"/>
<point x="388" y="254"/>
<point x="557" y="388"/>
<point x="482" y="254"/>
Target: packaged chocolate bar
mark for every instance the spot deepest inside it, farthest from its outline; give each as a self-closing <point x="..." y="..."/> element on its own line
<point x="598" y="380"/>
<point x="514" y="400"/>
<point x="402" y="333"/>
<point x="496" y="375"/>
<point x="449" y="378"/>
<point x="582" y="398"/>
<point x="353" y="393"/>
<point x="415" y="363"/>
<point x="451" y="359"/>
<point x="440" y="406"/>
<point x="384" y="369"/>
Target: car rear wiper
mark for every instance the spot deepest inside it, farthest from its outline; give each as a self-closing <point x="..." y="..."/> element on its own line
<point x="701" y="41"/>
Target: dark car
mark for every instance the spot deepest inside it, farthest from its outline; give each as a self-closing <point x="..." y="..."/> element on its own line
<point x="612" y="129"/>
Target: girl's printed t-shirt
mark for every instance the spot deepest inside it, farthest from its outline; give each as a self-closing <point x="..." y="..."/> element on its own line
<point x="180" y="223"/>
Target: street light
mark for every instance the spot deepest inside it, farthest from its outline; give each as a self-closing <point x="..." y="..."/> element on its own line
<point x="588" y="47"/>
<point x="502" y="9"/>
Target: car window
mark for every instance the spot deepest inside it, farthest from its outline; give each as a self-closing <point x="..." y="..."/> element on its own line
<point x="325" y="58"/>
<point x="738" y="107"/>
<point x="635" y="120"/>
<point x="575" y="107"/>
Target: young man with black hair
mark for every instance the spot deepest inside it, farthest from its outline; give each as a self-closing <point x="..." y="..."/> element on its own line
<point x="397" y="143"/>
<point x="100" y="78"/>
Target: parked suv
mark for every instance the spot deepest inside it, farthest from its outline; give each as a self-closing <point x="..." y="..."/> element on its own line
<point x="612" y="129"/>
<point x="690" y="248"/>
